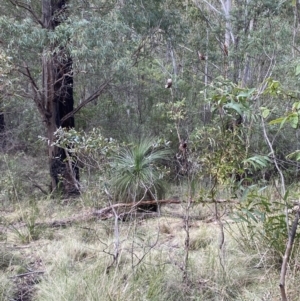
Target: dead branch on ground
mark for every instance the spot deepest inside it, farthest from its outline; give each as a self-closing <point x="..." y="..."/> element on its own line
<point x="130" y="210"/>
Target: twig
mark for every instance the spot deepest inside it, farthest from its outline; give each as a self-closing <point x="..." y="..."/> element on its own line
<point x="292" y="233"/>
<point x="116" y="239"/>
<point x="26" y="274"/>
<point x="286" y="256"/>
<point x="222" y="236"/>
<point x="38" y="97"/>
<point x="29" y="9"/>
<point x="186" y="241"/>
<point x="71" y="171"/>
<point x="283" y="190"/>
<point x="96" y="94"/>
<point x="146" y="252"/>
<point x="34" y="184"/>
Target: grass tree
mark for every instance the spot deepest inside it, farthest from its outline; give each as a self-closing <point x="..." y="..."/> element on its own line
<point x="138" y="172"/>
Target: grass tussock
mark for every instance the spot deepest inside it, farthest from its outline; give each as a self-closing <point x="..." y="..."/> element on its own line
<point x="6" y="288"/>
<point x="137" y="259"/>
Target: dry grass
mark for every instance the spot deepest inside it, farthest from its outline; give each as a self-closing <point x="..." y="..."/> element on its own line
<point x="78" y="261"/>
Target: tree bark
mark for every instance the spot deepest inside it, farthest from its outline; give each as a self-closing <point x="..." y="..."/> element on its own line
<point x="2" y="130"/>
<point x="2" y="122"/>
<point x="57" y="100"/>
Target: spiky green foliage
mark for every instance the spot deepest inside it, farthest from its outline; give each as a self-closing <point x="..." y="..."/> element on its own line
<point x="137" y="171"/>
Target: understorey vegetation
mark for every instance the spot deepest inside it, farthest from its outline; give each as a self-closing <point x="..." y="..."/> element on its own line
<point x="149" y="150"/>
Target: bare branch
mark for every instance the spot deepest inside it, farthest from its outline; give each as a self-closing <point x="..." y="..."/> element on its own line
<point x="283" y="189"/>
<point x="209" y="4"/>
<point x="26" y="274"/>
<point x="37" y="94"/>
<point x="29" y="9"/>
<point x="28" y="74"/>
<point x="269" y="72"/>
<point x="292" y="233"/>
<point x="95" y="95"/>
<point x="286" y="256"/>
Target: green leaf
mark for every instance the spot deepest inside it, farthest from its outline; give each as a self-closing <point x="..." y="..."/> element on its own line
<point x="280" y="120"/>
<point x="296" y="106"/>
<point x="246" y="93"/>
<point x="286" y="195"/>
<point x="265" y="112"/>
<point x="235" y="106"/>
<point x="241" y="219"/>
<point x="294" y="155"/>
<point x="297" y="70"/>
<point x="249" y="214"/>
<point x="273" y="87"/>
<point x="258" y="161"/>
<point x="294" y="120"/>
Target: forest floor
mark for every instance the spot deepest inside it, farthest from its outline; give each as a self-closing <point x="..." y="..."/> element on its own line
<point x="137" y="258"/>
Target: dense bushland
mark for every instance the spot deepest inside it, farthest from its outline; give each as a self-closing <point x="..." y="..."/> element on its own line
<point x="149" y="150"/>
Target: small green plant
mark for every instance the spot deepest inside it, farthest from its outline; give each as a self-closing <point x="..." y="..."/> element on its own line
<point x="30" y="231"/>
<point x="8" y="182"/>
<point x="263" y="223"/>
<point x="7" y="258"/>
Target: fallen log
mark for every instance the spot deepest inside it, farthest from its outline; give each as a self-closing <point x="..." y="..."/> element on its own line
<point x="110" y="211"/>
<point x="136" y="205"/>
<point x="107" y="212"/>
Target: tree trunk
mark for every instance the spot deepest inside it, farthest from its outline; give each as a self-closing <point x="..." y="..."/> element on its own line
<point x="58" y="101"/>
<point x="2" y="122"/>
<point x="2" y="130"/>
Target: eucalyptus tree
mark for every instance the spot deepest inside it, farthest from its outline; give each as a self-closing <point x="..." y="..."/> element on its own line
<point x="54" y="45"/>
<point x="250" y="35"/>
<point x="68" y="53"/>
<point x="4" y="83"/>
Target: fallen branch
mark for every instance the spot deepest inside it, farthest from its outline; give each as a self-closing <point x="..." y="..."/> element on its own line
<point x="104" y="214"/>
<point x="26" y="274"/>
<point x="135" y="205"/>
<point x="132" y="210"/>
